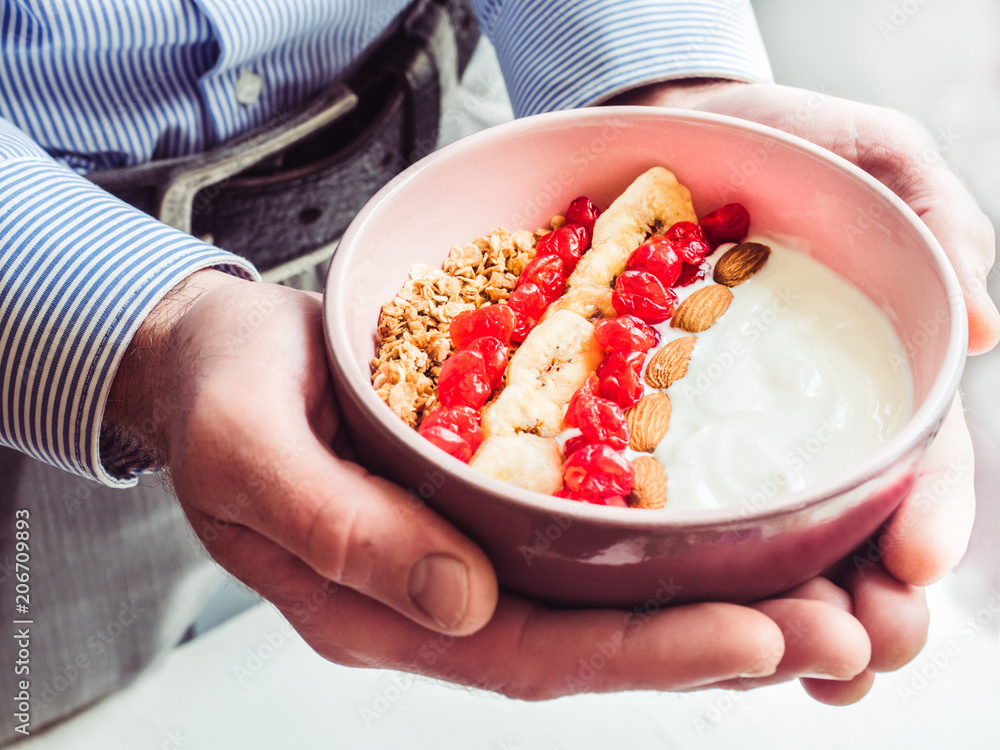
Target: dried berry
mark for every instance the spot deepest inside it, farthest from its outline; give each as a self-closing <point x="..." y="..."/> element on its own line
<point x="602" y="421"/>
<point x="641" y="294"/>
<point x="659" y="257"/>
<point x="494" y="357"/>
<point x="574" y="444"/>
<point x="448" y="441"/>
<point x="599" y="419"/>
<point x="568" y="243"/>
<point x="582" y="211"/>
<point x="626" y="333"/>
<point x="587" y="390"/>
<point x="598" y="472"/>
<point x="497" y="321"/>
<point x="461" y="420"/>
<point x="529" y="302"/>
<point x="731" y="223"/>
<point x="464" y="381"/>
<point x="548" y="274"/>
<point x="691" y="274"/>
<point x="688" y="241"/>
<point x="620" y="378"/>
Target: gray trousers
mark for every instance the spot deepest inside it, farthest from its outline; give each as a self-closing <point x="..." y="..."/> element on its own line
<point x="115" y="579"/>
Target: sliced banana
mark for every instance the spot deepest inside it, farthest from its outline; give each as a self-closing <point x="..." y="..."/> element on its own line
<point x="520" y="408"/>
<point x="556" y="357"/>
<point x="528" y="461"/>
<point x="590" y="302"/>
<point x="648" y="206"/>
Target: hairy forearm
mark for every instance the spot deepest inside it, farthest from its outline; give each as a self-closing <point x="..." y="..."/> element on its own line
<point x="142" y="399"/>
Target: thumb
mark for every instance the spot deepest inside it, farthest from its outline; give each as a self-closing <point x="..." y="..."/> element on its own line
<point x="372" y="536"/>
<point x="352" y="528"/>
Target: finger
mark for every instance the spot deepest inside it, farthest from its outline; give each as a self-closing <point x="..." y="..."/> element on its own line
<point x="370" y="535"/>
<point x="821" y="640"/>
<point x="928" y="534"/>
<point x="894" y="614"/>
<point x="351" y="528"/>
<point x="834" y="692"/>
<point x="525" y="651"/>
<point x="901" y="154"/>
<point x="839" y="693"/>
<point x="822" y="590"/>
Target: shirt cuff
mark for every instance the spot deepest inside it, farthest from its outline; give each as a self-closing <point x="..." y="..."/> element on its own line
<point x="79" y="271"/>
<point x="558" y="55"/>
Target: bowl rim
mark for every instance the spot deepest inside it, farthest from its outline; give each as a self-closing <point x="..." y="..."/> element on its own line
<point x="919" y="429"/>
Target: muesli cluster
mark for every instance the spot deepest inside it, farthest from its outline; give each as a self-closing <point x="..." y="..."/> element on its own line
<point x="413" y="328"/>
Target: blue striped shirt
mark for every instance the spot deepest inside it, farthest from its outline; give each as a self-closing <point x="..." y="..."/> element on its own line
<point x="93" y="84"/>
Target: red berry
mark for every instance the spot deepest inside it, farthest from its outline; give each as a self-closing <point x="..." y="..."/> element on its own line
<point x="582" y="211"/>
<point x="626" y="333"/>
<point x="731" y="223"/>
<point x="598" y="471"/>
<point x="522" y="329"/>
<point x="574" y="444"/>
<point x="547" y="273"/>
<point x="688" y="241"/>
<point x="449" y="442"/>
<point x="463" y="380"/>
<point x="461" y="420"/>
<point x="497" y="321"/>
<point x="568" y="242"/>
<point x="602" y="421"/>
<point x="494" y="357"/>
<point x="691" y="274"/>
<point x="620" y="376"/>
<point x="641" y="294"/>
<point x="528" y="301"/>
<point x="587" y="390"/>
<point x="659" y="257"/>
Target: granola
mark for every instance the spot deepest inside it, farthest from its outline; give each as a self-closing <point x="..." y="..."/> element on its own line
<point x="412" y="336"/>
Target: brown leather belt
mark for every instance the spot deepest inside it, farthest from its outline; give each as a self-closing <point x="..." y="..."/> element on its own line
<point x="291" y="187"/>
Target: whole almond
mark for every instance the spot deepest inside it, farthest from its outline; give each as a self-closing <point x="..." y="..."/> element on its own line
<point x="740" y="263"/>
<point x="649" y="487"/>
<point x="648" y="421"/>
<point x="702" y="309"/>
<point x="670" y="363"/>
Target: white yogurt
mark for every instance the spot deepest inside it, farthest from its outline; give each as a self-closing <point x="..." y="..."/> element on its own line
<point x="796" y="384"/>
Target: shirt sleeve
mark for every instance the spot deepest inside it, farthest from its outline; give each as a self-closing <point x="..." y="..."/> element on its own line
<point x="557" y="55"/>
<point x="79" y="271"/>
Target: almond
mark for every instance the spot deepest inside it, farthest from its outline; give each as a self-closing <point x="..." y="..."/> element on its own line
<point x="702" y="309"/>
<point x="648" y="422"/>
<point x="670" y="363"/>
<point x="649" y="488"/>
<point x="740" y="263"/>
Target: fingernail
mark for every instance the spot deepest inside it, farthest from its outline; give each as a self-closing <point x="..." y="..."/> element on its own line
<point x="820" y="675"/>
<point x="439" y="587"/>
<point x="762" y="670"/>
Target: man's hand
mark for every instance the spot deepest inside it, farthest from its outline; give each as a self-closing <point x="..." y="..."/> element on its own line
<point x="370" y="581"/>
<point x="928" y="534"/>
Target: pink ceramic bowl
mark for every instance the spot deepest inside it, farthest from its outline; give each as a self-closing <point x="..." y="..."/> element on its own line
<point x="520" y="174"/>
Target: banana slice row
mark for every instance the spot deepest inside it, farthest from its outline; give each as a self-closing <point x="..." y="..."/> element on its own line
<point x="648" y="206"/>
<point x="560" y="353"/>
<point x="555" y="359"/>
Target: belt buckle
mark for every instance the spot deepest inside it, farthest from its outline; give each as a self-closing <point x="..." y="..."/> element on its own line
<point x="182" y="182"/>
